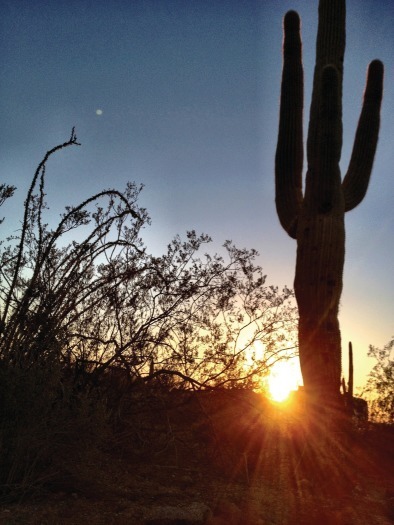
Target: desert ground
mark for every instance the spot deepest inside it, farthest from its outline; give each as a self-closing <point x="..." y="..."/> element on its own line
<point x="216" y="458"/>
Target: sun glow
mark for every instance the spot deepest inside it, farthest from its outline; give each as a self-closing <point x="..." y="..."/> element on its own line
<point x="284" y="377"/>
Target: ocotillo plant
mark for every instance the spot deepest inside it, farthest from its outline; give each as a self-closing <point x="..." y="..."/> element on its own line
<point x="315" y="216"/>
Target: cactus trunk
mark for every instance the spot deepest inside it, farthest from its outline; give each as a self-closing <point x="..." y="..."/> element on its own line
<point x="315" y="216"/>
<point x="318" y="286"/>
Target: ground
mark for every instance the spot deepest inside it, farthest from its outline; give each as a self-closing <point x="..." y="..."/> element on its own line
<point x="220" y="458"/>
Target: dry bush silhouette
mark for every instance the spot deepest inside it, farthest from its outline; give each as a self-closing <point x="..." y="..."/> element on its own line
<point x="93" y="325"/>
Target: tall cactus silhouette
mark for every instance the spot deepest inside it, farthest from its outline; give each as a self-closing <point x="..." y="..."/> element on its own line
<point x="315" y="216"/>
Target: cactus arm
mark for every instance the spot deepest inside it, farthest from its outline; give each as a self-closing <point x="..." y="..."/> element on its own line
<point x="355" y="183"/>
<point x="289" y="152"/>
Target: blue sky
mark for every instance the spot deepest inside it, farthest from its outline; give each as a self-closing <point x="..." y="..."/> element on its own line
<point x="189" y="93"/>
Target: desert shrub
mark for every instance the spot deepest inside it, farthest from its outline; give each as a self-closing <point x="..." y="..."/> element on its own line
<point x="380" y="384"/>
<point x="48" y="428"/>
<point x="84" y="320"/>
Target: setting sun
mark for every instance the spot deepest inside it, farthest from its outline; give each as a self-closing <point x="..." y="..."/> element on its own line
<point x="283" y="378"/>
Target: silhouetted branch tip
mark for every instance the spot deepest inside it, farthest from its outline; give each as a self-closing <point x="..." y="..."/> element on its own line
<point x="73" y="138"/>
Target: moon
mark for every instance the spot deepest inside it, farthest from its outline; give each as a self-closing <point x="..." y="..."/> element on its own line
<point x="99" y="112"/>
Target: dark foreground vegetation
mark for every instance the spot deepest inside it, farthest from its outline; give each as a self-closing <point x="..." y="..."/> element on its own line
<point x="83" y="302"/>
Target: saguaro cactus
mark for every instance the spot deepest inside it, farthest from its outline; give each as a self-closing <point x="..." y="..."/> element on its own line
<point x="315" y="216"/>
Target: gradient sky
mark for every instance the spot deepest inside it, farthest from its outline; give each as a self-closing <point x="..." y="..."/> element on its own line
<point x="189" y="94"/>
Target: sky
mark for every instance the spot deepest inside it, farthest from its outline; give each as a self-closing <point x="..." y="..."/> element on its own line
<point x="188" y="100"/>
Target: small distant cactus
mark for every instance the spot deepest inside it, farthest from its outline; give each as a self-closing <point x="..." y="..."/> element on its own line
<point x="351" y="371"/>
<point x="315" y="216"/>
